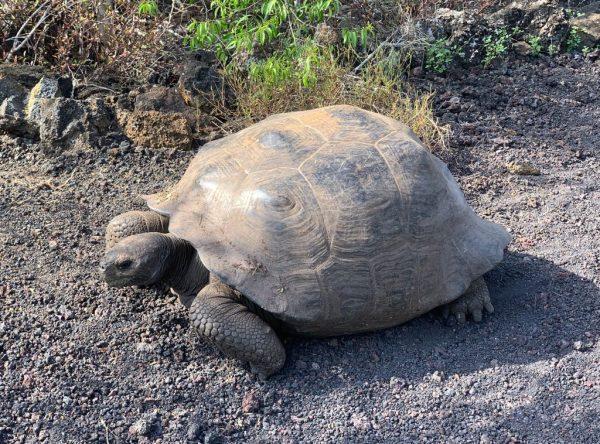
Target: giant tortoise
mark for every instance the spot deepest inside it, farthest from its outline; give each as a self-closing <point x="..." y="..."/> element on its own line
<point x="324" y="222"/>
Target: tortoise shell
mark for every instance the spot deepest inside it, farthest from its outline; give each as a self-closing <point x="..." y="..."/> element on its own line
<point x="334" y="220"/>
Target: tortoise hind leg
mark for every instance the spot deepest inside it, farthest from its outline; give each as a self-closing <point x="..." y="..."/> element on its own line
<point x="134" y="222"/>
<point x="219" y="316"/>
<point x="472" y="303"/>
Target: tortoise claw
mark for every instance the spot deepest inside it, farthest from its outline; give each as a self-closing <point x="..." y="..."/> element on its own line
<point x="472" y="304"/>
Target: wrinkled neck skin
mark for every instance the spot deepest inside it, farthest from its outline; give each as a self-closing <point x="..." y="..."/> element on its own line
<point x="185" y="273"/>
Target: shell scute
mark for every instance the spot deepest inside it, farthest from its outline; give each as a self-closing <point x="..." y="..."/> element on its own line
<point x="278" y="143"/>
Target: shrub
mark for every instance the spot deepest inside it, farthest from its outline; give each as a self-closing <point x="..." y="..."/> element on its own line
<point x="236" y="26"/>
<point x="273" y="61"/>
<point x="495" y="45"/>
<point x="440" y="55"/>
<point x="553" y="49"/>
<point x="536" y="45"/>
<point x="372" y="89"/>
<point x="573" y="42"/>
<point x="118" y="38"/>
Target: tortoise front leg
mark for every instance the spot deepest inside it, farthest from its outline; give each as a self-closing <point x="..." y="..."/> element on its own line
<point x="134" y="222"/>
<point x="219" y="316"/>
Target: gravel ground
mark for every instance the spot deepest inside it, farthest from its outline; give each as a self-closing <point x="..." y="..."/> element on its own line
<point x="84" y="363"/>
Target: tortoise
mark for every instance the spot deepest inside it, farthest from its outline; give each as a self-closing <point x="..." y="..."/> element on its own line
<point x="323" y="222"/>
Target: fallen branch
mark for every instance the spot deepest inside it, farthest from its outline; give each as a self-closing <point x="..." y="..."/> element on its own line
<point x="383" y="44"/>
<point x="28" y="36"/>
<point x="18" y="34"/>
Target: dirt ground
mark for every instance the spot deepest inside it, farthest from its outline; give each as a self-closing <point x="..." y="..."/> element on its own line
<point x="83" y="363"/>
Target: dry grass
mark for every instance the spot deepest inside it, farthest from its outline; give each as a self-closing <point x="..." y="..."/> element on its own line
<point x="422" y="8"/>
<point x="372" y="89"/>
<point x="390" y="96"/>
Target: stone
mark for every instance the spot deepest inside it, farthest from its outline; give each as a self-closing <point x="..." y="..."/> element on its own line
<point x="437" y="376"/>
<point x="581" y="346"/>
<point x="522" y="168"/>
<point x="450" y="20"/>
<point x="532" y="202"/>
<point x="397" y="382"/>
<point x="62" y="124"/>
<point x="522" y="48"/>
<point x="545" y="18"/>
<point x="46" y="88"/>
<point x="417" y="71"/>
<point x="594" y="55"/>
<point x="10" y="88"/>
<point x="101" y="118"/>
<point x="157" y="130"/>
<point x="12" y="106"/>
<point x="200" y="82"/>
<point x="66" y="124"/>
<point x="25" y="75"/>
<point x="452" y="105"/>
<point x="360" y="422"/>
<point x="301" y="365"/>
<point x="194" y="431"/>
<point x="160" y="98"/>
<point x="212" y="437"/>
<point x="250" y="402"/>
<point x="18" y="127"/>
<point x="148" y="425"/>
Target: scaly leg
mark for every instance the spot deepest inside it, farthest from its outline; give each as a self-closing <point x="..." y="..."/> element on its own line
<point x="219" y="316"/>
<point x="134" y="222"/>
<point x="473" y="302"/>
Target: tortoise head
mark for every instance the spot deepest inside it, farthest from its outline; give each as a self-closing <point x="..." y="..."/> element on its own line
<point x="141" y="259"/>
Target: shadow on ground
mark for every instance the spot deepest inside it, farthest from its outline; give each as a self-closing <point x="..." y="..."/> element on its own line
<point x="542" y="310"/>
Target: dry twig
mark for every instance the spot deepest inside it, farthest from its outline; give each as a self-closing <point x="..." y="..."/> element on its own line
<point x="28" y="36"/>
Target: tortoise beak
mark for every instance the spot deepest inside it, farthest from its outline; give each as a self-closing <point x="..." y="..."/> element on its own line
<point x="107" y="269"/>
<point x="102" y="267"/>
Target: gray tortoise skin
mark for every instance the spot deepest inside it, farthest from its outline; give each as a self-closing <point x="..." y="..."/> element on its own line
<point x="324" y="222"/>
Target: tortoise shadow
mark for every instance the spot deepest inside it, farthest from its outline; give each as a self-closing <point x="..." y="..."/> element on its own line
<point x="541" y="310"/>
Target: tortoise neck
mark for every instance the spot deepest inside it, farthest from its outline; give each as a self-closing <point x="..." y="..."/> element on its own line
<point x="185" y="273"/>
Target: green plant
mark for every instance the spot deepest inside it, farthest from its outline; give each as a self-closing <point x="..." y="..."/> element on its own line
<point x="573" y="39"/>
<point x="297" y="63"/>
<point x="238" y="26"/>
<point x="535" y="43"/>
<point x="572" y="14"/>
<point x="496" y="45"/>
<point x="352" y="37"/>
<point x="439" y="55"/>
<point x="148" y="7"/>
<point x="586" y="50"/>
<point x="553" y="49"/>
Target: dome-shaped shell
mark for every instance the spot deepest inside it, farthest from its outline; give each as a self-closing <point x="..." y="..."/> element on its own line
<point x="335" y="220"/>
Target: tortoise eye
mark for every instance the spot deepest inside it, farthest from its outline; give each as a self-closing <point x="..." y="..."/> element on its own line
<point x="124" y="265"/>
